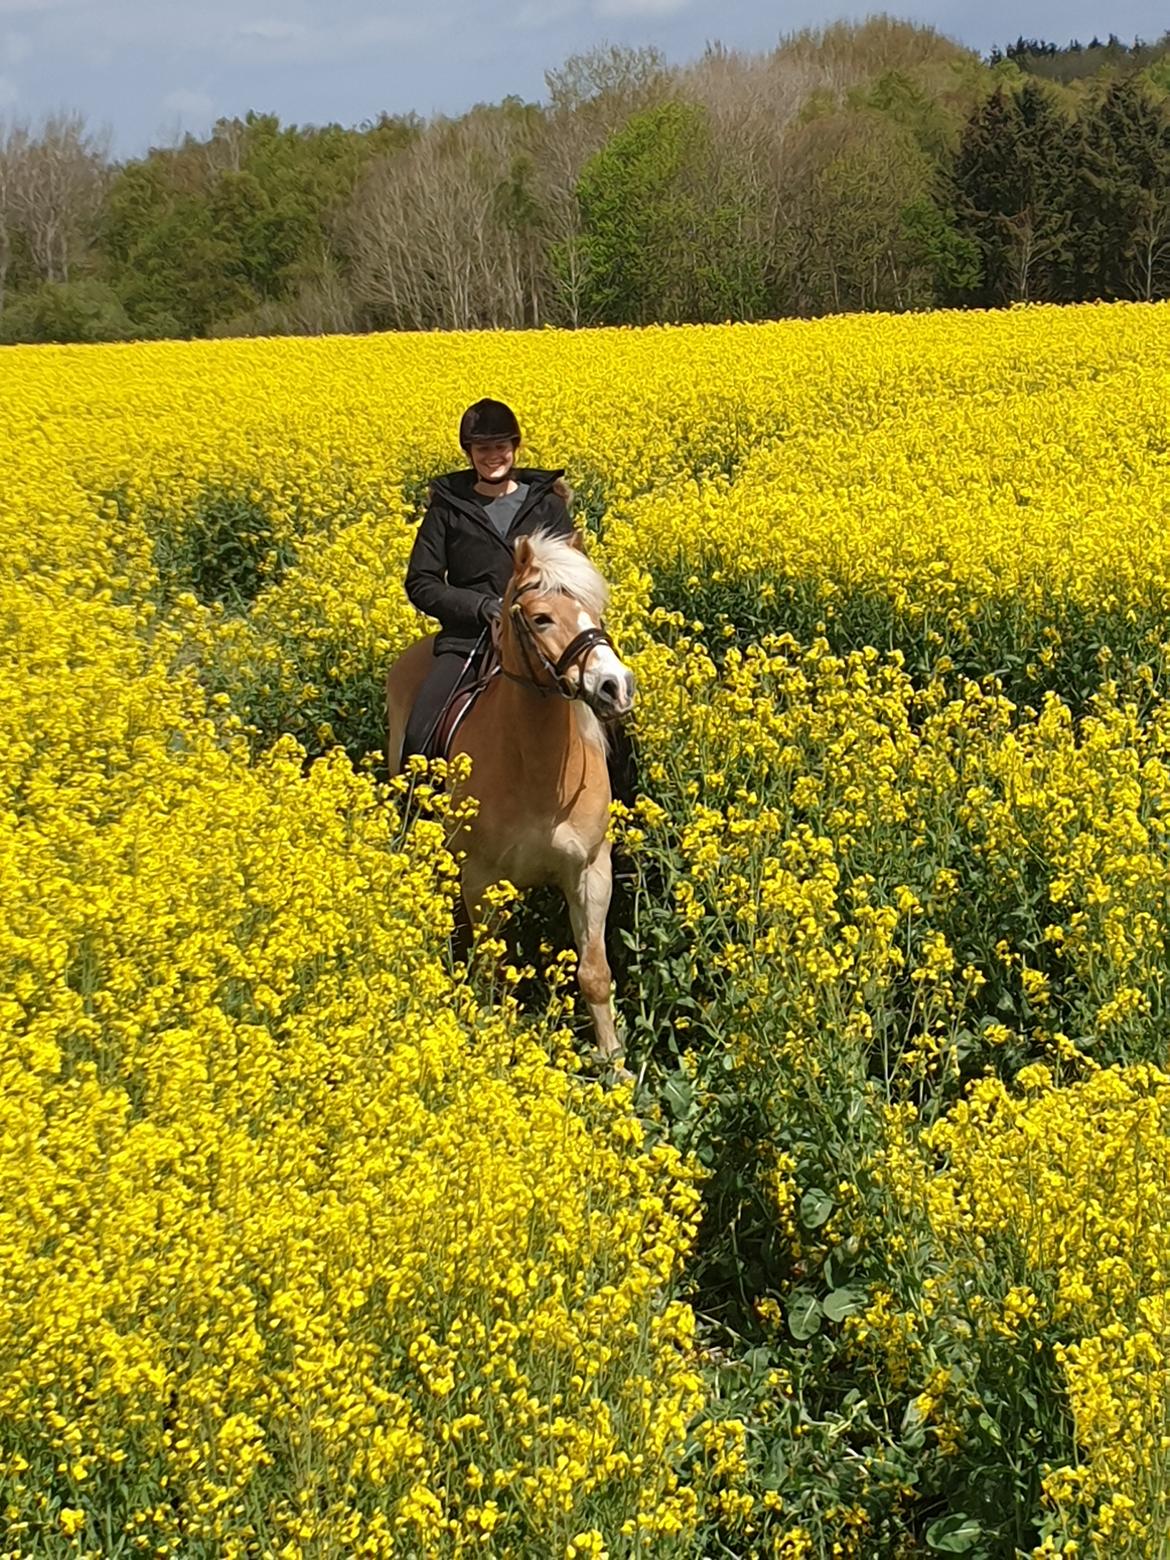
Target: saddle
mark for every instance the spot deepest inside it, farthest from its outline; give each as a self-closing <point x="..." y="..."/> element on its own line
<point x="461" y="703"/>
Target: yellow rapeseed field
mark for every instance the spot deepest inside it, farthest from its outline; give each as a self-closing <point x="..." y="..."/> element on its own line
<point x="311" y="1244"/>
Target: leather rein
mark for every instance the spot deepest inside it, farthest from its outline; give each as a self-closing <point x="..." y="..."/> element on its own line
<point x="579" y="649"/>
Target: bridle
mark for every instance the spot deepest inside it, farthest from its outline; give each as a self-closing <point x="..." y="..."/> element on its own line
<point x="575" y="653"/>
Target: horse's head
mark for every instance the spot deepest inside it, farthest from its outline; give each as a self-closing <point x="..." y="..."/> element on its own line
<point x="553" y="609"/>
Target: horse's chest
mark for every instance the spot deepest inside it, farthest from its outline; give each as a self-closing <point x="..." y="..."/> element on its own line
<point x="534" y="856"/>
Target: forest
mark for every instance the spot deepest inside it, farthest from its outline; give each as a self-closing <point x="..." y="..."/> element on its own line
<point x="870" y="166"/>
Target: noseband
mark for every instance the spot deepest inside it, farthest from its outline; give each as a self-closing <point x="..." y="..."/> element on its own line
<point x="578" y="650"/>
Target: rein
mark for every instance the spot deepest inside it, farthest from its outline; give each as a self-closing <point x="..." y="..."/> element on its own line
<point x="579" y="649"/>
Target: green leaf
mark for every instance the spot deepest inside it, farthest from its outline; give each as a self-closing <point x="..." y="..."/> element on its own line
<point x="758" y="1361"/>
<point x="990" y="1429"/>
<point x="954" y="1534"/>
<point x="776" y="1468"/>
<point x="804" y="1315"/>
<point x="815" y="1208"/>
<point x="843" y="1302"/>
<point x="680" y="1095"/>
<point x="845" y="1257"/>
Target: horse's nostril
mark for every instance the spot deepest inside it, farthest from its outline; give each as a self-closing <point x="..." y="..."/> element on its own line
<point x="609" y="689"/>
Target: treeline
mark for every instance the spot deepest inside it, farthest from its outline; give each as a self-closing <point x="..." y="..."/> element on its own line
<point x="871" y="166"/>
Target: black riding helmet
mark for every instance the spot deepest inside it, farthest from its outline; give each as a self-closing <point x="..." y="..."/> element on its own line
<point x="487" y="419"/>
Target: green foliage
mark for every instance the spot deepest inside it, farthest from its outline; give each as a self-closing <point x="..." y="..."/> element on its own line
<point x="1075" y="61"/>
<point x="1157" y="76"/>
<point x="912" y="174"/>
<point x="849" y="246"/>
<point x="952" y="259"/>
<point x="209" y="231"/>
<point x="772" y="1078"/>
<point x="835" y="1426"/>
<point x="168" y="255"/>
<point x="1012" y="189"/>
<point x="904" y="101"/>
<point x="223" y="551"/>
<point x="664" y="238"/>
<point x="1066" y="651"/>
<point x="1124" y="231"/>
<point x="67" y="311"/>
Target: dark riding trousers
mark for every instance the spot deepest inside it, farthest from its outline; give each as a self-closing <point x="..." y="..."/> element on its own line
<point x="441" y="682"/>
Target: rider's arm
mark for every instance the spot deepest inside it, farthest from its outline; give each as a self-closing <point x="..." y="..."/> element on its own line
<point x="460" y="611"/>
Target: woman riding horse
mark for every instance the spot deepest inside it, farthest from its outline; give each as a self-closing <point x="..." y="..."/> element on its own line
<point x="462" y="556"/>
<point x="497" y="550"/>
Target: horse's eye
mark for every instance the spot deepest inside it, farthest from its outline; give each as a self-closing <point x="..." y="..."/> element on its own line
<point x="542" y="620"/>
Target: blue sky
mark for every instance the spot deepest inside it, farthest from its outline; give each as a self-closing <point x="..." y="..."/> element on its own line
<point x="146" y="69"/>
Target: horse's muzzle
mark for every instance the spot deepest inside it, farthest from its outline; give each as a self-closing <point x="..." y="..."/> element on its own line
<point x="613" y="695"/>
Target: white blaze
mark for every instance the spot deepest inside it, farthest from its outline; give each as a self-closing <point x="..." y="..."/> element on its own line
<point x="609" y="683"/>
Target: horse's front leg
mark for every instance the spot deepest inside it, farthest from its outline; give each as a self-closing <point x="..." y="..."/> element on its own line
<point x="588" y="892"/>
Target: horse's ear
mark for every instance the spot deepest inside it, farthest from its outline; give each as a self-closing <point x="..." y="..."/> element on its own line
<point x="575" y="539"/>
<point x="523" y="554"/>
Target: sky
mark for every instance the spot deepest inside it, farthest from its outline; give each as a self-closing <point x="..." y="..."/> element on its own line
<point x="147" y="70"/>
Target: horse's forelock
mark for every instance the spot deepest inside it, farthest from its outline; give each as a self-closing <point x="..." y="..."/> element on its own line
<point x="559" y="565"/>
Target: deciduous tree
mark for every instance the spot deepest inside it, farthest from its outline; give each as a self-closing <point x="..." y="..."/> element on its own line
<point x="665" y="225"/>
<point x="61" y="178"/>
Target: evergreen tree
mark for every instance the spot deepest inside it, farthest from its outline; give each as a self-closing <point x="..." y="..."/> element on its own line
<point x="1124" y="210"/>
<point x="1012" y="191"/>
<point x="1047" y="147"/>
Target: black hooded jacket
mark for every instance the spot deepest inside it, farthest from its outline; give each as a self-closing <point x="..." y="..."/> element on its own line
<point x="460" y="563"/>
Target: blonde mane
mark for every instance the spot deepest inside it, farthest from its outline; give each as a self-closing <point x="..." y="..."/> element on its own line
<point x="559" y="566"/>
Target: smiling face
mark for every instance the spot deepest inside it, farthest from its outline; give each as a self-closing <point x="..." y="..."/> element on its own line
<point x="493" y="459"/>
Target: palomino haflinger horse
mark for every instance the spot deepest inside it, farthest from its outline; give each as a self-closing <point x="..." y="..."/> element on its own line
<point x="538" y="751"/>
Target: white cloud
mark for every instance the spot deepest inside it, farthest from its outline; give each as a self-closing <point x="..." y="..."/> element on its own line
<point x="340" y="38"/>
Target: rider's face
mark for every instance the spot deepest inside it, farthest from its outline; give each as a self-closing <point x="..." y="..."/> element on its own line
<point x="493" y="458"/>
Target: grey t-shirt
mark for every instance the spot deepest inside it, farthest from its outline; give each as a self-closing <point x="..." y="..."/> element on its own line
<point x="503" y="510"/>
